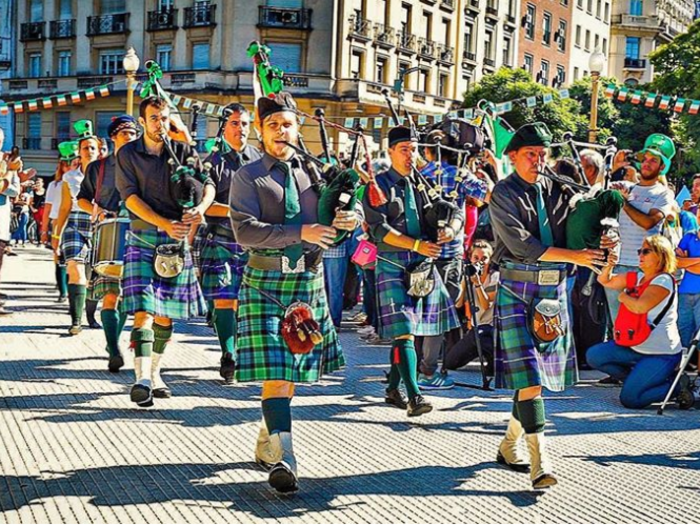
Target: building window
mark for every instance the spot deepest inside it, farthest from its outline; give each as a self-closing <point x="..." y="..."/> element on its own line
<point x="607" y="13"/>
<point x="111" y="62"/>
<point x="506" y="52"/>
<point x="286" y="56"/>
<point x="561" y="76"/>
<point x="561" y="36"/>
<point x="34" y="131"/>
<point x="405" y="18"/>
<point x="576" y="74"/>
<point x="529" y="62"/>
<point x="163" y="55"/>
<point x="530" y="22"/>
<point x="102" y="120"/>
<point x="632" y="47"/>
<point x="200" y="56"/>
<point x="423" y="80"/>
<point x="63" y="126"/>
<point x="442" y="85"/>
<point x="598" y="8"/>
<point x="636" y="7"/>
<point x="578" y="36"/>
<point x="589" y="7"/>
<point x="381" y="70"/>
<point x="427" y="25"/>
<point x="546" y="28"/>
<point x="111" y="7"/>
<point x="596" y="41"/>
<point x="63" y="68"/>
<point x="446" y="30"/>
<point x="356" y="65"/>
<point x="34" y="65"/>
<point x="165" y="5"/>
<point x="587" y="45"/>
<point x="579" y="4"/>
<point x="488" y="45"/>
<point x="605" y="46"/>
<point x="36" y="11"/>
<point x="544" y="73"/>
<point x="65" y="9"/>
<point x="468" y="38"/>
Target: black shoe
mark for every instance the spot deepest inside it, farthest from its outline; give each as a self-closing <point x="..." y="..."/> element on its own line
<point x="417" y="406"/>
<point x="394" y="397"/>
<point x="115" y="363"/>
<point x="94" y="325"/>
<point x="228" y="368"/>
<point x="162" y="393"/>
<point x="512" y="466"/>
<point x="609" y="381"/>
<point x="283" y="480"/>
<point x="141" y="395"/>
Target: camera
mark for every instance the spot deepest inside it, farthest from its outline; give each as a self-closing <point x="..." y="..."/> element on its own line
<point x="474" y="269"/>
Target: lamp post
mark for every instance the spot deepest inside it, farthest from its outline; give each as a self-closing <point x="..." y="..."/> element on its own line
<point x="398" y="83"/>
<point x="131" y="64"/>
<point x="596" y="64"/>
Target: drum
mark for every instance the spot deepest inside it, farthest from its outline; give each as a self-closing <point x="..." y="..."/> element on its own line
<point x="109" y="245"/>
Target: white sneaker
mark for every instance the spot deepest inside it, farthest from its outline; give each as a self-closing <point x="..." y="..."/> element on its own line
<point x="366" y="330"/>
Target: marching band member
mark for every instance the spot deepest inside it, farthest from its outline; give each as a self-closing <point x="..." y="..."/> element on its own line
<point x="159" y="281"/>
<point x="222" y="259"/>
<point x="396" y="229"/>
<point x="534" y="350"/>
<point x="99" y="197"/>
<point x="274" y="209"/>
<point x="73" y="229"/>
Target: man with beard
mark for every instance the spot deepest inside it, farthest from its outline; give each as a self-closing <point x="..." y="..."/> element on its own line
<point x="159" y="282"/>
<point x="222" y="259"/>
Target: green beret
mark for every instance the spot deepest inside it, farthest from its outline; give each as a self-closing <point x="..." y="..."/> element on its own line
<point x="282" y="101"/>
<point x="401" y="134"/>
<point x="536" y="134"/>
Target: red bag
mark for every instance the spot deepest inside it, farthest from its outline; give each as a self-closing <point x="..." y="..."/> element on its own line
<point x="633" y="329"/>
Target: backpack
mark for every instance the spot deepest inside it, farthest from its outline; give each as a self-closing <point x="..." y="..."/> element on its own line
<point x="632" y="329"/>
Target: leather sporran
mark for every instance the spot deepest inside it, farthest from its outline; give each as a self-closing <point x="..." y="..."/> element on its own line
<point x="299" y="329"/>
<point x="420" y="279"/>
<point x="169" y="260"/>
<point x="545" y="320"/>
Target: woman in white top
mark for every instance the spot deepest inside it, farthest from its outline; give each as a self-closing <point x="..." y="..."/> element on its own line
<point x="647" y="369"/>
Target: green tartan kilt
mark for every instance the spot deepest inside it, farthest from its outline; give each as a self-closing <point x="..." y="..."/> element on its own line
<point x="100" y="286"/>
<point x="262" y="353"/>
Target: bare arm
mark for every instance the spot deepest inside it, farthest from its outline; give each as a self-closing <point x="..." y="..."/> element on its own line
<point x="643" y="220"/>
<point x="651" y="297"/>
<point x="63" y="210"/>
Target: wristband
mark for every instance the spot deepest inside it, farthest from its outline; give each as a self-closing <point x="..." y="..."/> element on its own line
<point x="416" y="245"/>
<point x="55" y="236"/>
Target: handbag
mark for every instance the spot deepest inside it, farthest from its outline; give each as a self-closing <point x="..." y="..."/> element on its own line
<point x="632" y="329"/>
<point x="420" y="279"/>
<point x="365" y="255"/>
<point x="545" y="320"/>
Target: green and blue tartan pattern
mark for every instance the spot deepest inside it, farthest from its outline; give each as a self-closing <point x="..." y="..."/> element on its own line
<point x="100" y="286"/>
<point x="76" y="241"/>
<point x="222" y="261"/>
<point x="262" y="353"/>
<point x="520" y="361"/>
<point x="144" y="291"/>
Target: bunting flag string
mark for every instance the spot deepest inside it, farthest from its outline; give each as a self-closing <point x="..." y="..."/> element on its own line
<point x="47" y="102"/>
<point x="677" y="104"/>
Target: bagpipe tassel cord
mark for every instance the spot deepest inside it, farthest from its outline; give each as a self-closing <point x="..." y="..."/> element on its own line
<point x="531" y="415"/>
<point x="162" y="336"/>
<point x="110" y="325"/>
<point x="76" y="302"/>
<point x="277" y="412"/>
<point x="404" y="357"/>
<point x="225" y="325"/>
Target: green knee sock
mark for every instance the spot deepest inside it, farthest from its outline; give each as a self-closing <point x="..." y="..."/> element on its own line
<point x="277" y="412"/>
<point x="162" y="334"/>
<point x="225" y="325"/>
<point x="404" y="357"/>
<point x="394" y="375"/>
<point x="516" y="415"/>
<point x="123" y="316"/>
<point x="531" y="414"/>
<point x="62" y="280"/>
<point x="142" y="342"/>
<point x="110" y="325"/>
<point x="76" y="302"/>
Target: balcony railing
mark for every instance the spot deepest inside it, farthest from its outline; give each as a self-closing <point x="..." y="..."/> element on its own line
<point x="31" y="143"/>
<point x="162" y="20"/>
<point x="489" y="62"/>
<point x="446" y="54"/>
<point x="510" y="19"/>
<point x="360" y="28"/>
<point x="177" y="79"/>
<point x="467" y="55"/>
<point x="18" y="84"/>
<point x="88" y="82"/>
<point x="472" y="5"/>
<point x="62" y="29"/>
<point x="284" y="18"/>
<point x="32" y="31"/>
<point x="448" y="4"/>
<point x="107" y="24"/>
<point x="635" y="63"/>
<point x="47" y="83"/>
<point x="407" y="42"/>
<point x="295" y="81"/>
<point x="492" y="11"/>
<point x="427" y="48"/>
<point x="384" y="36"/>
<point x="201" y="15"/>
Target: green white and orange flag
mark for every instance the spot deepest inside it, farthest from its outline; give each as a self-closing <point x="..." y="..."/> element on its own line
<point x="33" y="105"/>
<point x="4" y="110"/>
<point x="694" y="107"/>
<point x="679" y="105"/>
<point x="622" y="94"/>
<point x="636" y="97"/>
<point x="75" y="98"/>
<point x="609" y="92"/>
<point x="47" y="102"/>
<point x="61" y="100"/>
<point x="18" y="107"/>
<point x="665" y="102"/>
<point x="104" y="91"/>
<point x="650" y="100"/>
<point x="90" y="94"/>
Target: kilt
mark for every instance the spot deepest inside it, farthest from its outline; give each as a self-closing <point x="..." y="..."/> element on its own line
<point x="520" y="361"/>
<point x="144" y="291"/>
<point x="196" y="248"/>
<point x="262" y="354"/>
<point x="76" y="241"/>
<point x="222" y="261"/>
<point x="401" y="314"/>
<point x="100" y="286"/>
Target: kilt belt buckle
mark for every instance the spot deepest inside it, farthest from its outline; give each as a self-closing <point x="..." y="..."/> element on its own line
<point x="548" y="277"/>
<point x="299" y="268"/>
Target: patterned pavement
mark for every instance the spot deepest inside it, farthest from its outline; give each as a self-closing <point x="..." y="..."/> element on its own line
<point x="74" y="449"/>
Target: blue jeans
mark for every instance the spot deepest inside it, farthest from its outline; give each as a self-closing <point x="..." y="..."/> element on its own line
<point x="369" y="297"/>
<point x="646" y="378"/>
<point x="334" y="271"/>
<point x="20" y="234"/>
<point x="688" y="316"/>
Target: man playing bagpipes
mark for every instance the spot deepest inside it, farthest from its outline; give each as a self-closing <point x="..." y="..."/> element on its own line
<point x="99" y="197"/>
<point x="159" y="282"/>
<point x="73" y="228"/>
<point x="285" y="333"/>
<point x="534" y="347"/>
<point x="222" y="259"/>
<point x="413" y="300"/>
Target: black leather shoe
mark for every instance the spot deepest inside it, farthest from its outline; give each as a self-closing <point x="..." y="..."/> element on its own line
<point x="162" y="393"/>
<point x="283" y="479"/>
<point x="417" y="406"/>
<point x="115" y="363"/>
<point x="394" y="397"/>
<point x="228" y="368"/>
<point x="141" y="395"/>
<point x="94" y="325"/>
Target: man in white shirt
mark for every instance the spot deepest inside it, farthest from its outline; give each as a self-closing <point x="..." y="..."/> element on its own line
<point x="9" y="187"/>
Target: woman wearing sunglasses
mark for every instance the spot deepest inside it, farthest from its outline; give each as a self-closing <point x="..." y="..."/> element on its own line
<point x="647" y="367"/>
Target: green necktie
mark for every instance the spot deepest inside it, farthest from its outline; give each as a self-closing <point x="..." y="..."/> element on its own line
<point x="411" y="210"/>
<point x="546" y="236"/>
<point x="292" y="212"/>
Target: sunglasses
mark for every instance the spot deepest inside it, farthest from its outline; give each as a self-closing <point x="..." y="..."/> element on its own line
<point x="644" y="251"/>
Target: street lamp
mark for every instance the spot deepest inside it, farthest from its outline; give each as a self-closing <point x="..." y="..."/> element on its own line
<point x="131" y="64"/>
<point x="398" y="83"/>
<point x="596" y="63"/>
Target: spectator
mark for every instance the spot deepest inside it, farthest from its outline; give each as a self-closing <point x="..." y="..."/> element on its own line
<point x="647" y="370"/>
<point x="593" y="166"/>
<point x="21" y="210"/>
<point x="9" y="188"/>
<point x="688" y="253"/>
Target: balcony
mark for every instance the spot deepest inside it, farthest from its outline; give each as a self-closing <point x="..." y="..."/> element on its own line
<point x="88" y="82"/>
<point x="446" y="54"/>
<point x="62" y="29"/>
<point x="47" y="83"/>
<point x="492" y="11"/>
<point x="489" y="62"/>
<point x="284" y="18"/>
<point x="639" y="23"/>
<point x="32" y="31"/>
<point x="162" y="20"/>
<point x="635" y="63"/>
<point x="360" y="28"/>
<point x="31" y="143"/>
<point x="297" y="81"/>
<point x="448" y="4"/>
<point x="177" y="79"/>
<point x="201" y="15"/>
<point x="472" y="7"/>
<point x="427" y="49"/>
<point x="107" y="24"/>
<point x="17" y="85"/>
<point x="407" y="43"/>
<point x="384" y="36"/>
<point x="510" y="21"/>
<point x="469" y="56"/>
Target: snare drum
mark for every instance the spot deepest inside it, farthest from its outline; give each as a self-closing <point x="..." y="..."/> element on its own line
<point x="109" y="245"/>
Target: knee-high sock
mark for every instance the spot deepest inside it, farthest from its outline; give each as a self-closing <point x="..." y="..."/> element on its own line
<point x="163" y="334"/>
<point x="123" y="316"/>
<point x="91" y="309"/>
<point x="76" y="302"/>
<point x="404" y="357"/>
<point x="142" y="343"/>
<point x="277" y="412"/>
<point x="394" y="375"/>
<point x="515" y="412"/>
<point x="61" y="280"/>
<point x="110" y="325"/>
<point x="225" y="325"/>
<point x="531" y="415"/>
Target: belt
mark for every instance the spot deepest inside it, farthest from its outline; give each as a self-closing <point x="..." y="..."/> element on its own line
<point x="542" y="277"/>
<point x="138" y="224"/>
<point x="222" y="231"/>
<point x="310" y="262"/>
